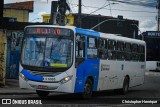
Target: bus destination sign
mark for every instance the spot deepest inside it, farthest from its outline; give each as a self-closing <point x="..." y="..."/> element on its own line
<point x="48" y="31"/>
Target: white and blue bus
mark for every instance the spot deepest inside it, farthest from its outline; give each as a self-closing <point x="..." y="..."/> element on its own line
<point x="74" y="60"/>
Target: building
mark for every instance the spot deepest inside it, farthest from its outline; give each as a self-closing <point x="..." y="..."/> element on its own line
<point x="113" y="25"/>
<point x="69" y="19"/>
<point x="18" y="11"/>
<point x="13" y="18"/>
<point x="152" y="39"/>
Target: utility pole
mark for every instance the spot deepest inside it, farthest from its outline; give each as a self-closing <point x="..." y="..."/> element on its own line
<point x="54" y="6"/>
<point x="158" y="16"/>
<point x="79" y="13"/>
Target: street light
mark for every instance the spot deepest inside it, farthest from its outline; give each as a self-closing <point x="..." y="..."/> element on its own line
<point x="120" y="18"/>
<point x="35" y="19"/>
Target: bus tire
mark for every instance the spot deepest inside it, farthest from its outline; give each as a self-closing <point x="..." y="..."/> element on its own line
<point x="87" y="89"/>
<point x="124" y="90"/>
<point x="42" y="93"/>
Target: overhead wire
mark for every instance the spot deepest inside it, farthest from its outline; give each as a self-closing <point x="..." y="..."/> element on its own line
<point x="137" y="2"/>
<point x="69" y="6"/>
<point x="119" y="9"/>
<point x="109" y="7"/>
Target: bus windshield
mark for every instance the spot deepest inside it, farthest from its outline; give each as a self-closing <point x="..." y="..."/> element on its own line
<point x="47" y="52"/>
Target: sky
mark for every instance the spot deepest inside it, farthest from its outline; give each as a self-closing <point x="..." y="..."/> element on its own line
<point x="142" y="10"/>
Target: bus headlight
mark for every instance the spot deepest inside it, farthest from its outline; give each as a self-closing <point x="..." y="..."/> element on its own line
<point x="66" y="79"/>
<point x="22" y="76"/>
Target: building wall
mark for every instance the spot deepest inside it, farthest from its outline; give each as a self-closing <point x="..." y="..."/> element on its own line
<point x="46" y="18"/>
<point x="116" y="27"/>
<point x="3" y="46"/>
<point x="20" y="15"/>
<point x="69" y="19"/>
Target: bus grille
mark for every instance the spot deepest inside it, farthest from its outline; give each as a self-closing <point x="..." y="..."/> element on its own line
<point x="46" y="74"/>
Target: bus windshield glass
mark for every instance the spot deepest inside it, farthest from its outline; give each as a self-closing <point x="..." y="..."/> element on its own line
<point x="47" y="51"/>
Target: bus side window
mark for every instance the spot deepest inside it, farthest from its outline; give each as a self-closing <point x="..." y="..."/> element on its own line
<point x="127" y="51"/>
<point x="120" y="51"/>
<point x="92" y="47"/>
<point x="112" y="54"/>
<point x="80" y="46"/>
<point x="135" y="52"/>
<point x="141" y="50"/>
<point x="102" y="51"/>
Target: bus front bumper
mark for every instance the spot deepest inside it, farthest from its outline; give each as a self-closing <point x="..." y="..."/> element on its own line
<point x="56" y="87"/>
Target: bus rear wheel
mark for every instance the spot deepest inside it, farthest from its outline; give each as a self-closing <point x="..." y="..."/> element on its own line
<point x="42" y="93"/>
<point x="87" y="89"/>
<point x="124" y="90"/>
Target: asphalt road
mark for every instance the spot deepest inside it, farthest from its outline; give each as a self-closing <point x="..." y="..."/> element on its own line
<point x="149" y="91"/>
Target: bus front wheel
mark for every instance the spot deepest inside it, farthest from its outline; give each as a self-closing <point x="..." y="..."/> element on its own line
<point x="42" y="93"/>
<point x="87" y="89"/>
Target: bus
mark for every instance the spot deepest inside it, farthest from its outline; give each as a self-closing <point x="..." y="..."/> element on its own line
<point x="153" y="66"/>
<point x="152" y="39"/>
<point x="68" y="59"/>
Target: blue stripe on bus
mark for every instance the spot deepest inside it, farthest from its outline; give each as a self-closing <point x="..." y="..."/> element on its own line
<point x="87" y="32"/>
<point x="88" y="68"/>
<point x="29" y="76"/>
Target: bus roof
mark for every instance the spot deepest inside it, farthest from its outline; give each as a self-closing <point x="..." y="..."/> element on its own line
<point x="116" y="37"/>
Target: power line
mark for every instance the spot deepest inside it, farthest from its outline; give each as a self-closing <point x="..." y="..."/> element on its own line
<point x="119" y="9"/>
<point x="146" y="3"/>
<point x="99" y="9"/>
<point x="110" y="7"/>
<point x="70" y="8"/>
<point x="134" y="11"/>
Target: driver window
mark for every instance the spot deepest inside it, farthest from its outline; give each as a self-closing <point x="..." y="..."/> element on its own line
<point x="80" y="46"/>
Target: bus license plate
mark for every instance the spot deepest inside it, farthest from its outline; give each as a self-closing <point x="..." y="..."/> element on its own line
<point x="42" y="87"/>
<point x="49" y="79"/>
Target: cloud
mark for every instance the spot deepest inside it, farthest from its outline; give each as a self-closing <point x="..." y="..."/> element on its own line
<point x="147" y="25"/>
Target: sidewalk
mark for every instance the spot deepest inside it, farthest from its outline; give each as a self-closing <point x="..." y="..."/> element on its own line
<point x="12" y="88"/>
